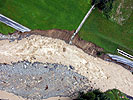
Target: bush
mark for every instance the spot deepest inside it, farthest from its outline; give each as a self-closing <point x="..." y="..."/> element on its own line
<point x="104" y="5"/>
<point x="113" y="94"/>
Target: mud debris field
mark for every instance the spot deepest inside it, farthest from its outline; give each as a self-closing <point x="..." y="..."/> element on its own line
<point x="37" y="67"/>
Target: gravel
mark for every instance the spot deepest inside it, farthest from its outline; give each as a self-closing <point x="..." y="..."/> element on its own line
<point x="36" y="81"/>
<point x="13" y="37"/>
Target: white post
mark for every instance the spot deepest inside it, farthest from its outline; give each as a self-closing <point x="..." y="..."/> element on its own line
<point x="125" y="54"/>
<point x="81" y="24"/>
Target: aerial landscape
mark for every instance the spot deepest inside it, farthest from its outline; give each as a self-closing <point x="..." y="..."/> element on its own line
<point x="66" y="50"/>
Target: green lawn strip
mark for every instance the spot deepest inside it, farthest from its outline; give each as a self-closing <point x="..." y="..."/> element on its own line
<point x="128" y="33"/>
<point x="108" y="46"/>
<point x="5" y="29"/>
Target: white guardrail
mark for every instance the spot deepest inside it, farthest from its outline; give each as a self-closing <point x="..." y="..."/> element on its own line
<point x="121" y="59"/>
<point x="13" y="24"/>
<point x="125" y="54"/>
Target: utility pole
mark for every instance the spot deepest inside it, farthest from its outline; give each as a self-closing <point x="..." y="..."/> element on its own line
<point x="81" y="24"/>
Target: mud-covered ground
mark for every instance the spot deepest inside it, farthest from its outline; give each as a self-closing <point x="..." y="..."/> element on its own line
<point x="39" y="81"/>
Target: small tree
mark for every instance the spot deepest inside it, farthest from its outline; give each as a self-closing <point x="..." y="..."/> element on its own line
<point x="104" y="5"/>
<point x="113" y="94"/>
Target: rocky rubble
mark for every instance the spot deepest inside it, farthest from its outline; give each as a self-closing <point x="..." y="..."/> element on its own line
<point x="37" y="81"/>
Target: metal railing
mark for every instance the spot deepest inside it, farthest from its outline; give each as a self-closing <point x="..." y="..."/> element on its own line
<point x="125" y="54"/>
<point x="13" y="24"/>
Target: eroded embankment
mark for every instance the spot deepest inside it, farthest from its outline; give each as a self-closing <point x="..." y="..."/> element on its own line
<point x="64" y="35"/>
<point x="36" y="48"/>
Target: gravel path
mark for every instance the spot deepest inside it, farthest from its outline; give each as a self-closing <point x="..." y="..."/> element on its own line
<point x="39" y="81"/>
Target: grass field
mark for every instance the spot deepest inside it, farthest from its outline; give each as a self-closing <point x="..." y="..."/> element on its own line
<point x="107" y="34"/>
<point x="45" y="14"/>
<point x="60" y="14"/>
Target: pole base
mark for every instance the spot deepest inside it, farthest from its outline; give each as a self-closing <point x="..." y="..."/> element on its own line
<point x="70" y="42"/>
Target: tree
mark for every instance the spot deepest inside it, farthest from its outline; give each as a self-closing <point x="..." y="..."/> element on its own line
<point x="103" y="5"/>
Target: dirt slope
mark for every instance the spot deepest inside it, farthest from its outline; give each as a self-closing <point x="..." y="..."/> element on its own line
<point x="65" y="35"/>
<point x="9" y="96"/>
<point x="88" y="47"/>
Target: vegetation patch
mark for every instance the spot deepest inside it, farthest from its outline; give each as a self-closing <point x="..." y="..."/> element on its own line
<point x="104" y="5"/>
<point x="122" y="11"/>
<point x="113" y="94"/>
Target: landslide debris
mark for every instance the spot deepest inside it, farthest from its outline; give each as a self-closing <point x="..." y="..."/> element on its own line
<point x="38" y="48"/>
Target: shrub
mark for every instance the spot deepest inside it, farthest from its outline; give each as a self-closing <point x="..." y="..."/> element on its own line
<point x="104" y="5"/>
<point x="113" y="94"/>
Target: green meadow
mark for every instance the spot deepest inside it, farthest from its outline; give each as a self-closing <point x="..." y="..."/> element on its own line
<point x="67" y="14"/>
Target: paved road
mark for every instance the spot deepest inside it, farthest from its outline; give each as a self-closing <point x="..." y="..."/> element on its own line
<point x="13" y="24"/>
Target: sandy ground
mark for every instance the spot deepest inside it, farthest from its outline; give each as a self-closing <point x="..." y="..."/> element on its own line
<point x="9" y="96"/>
<point x="105" y="75"/>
